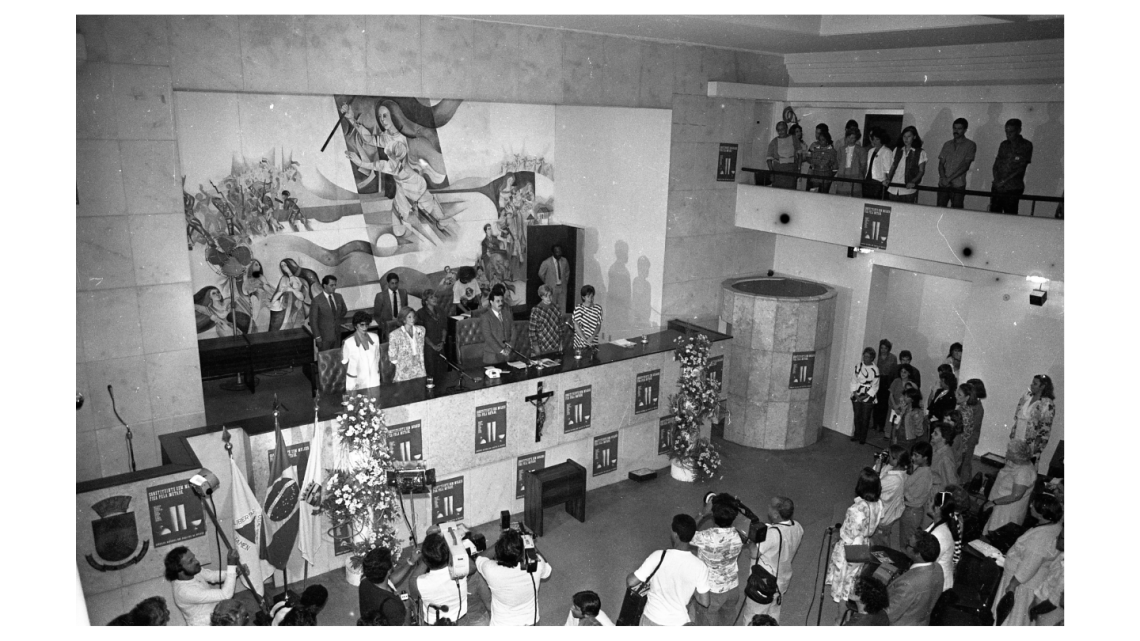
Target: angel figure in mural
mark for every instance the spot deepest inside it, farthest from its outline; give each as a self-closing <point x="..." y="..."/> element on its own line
<point x="288" y="300"/>
<point x="368" y="142"/>
<point x="412" y="195"/>
<point x="267" y="208"/>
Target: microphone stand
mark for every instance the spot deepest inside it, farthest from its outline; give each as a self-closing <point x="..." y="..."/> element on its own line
<point x="455" y="367"/>
<point x="130" y="435"/>
<point x="823" y="586"/>
<point x="529" y="363"/>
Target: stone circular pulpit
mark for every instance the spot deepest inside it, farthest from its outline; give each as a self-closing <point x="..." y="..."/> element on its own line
<point x="781" y="346"/>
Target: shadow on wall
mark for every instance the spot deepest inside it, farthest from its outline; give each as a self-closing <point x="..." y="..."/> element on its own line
<point x="641" y="295"/>
<point x="941" y="130"/>
<point x="592" y="275"/>
<point x="617" y="280"/>
<point x="988" y="136"/>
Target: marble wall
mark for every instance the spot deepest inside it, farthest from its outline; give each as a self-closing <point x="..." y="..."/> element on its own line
<point x="134" y="318"/>
<point x="134" y="325"/>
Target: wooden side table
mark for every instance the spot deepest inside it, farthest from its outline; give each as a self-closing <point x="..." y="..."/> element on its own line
<point x="562" y="483"/>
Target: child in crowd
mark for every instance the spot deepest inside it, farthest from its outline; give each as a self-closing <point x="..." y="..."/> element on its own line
<point x="586" y="610"/>
<point x="893" y="477"/>
<point x="917" y="491"/>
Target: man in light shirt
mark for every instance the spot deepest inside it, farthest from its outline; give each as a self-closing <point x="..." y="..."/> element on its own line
<point x="193" y="594"/>
<point x="679" y="576"/>
<point x="879" y="162"/>
<point x="775" y="553"/>
<point x="719" y="548"/>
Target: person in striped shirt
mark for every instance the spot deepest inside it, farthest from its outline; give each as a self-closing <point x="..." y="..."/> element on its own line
<point x="587" y="319"/>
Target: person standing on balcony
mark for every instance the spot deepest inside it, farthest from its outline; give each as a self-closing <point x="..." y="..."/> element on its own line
<point x="908" y="167"/>
<point x="783" y="155"/>
<point x="824" y="162"/>
<point x="852" y="161"/>
<point x="953" y="164"/>
<point x="878" y="165"/>
<point x="1013" y="157"/>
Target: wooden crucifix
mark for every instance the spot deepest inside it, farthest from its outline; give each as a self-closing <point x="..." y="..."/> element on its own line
<point x="539" y="400"/>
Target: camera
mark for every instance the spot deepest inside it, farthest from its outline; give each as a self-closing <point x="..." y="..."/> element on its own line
<point x="882" y="457"/>
<point x="756" y="529"/>
<point x="529" y="561"/>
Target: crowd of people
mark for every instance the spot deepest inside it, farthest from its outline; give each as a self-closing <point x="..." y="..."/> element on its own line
<point x="416" y="343"/>
<point x="875" y="170"/>
<point x="916" y="498"/>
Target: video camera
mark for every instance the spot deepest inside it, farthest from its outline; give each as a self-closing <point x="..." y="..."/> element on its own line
<point x="756" y="530"/>
<point x="530" y="552"/>
<point x="411" y="478"/>
<point x="463" y="544"/>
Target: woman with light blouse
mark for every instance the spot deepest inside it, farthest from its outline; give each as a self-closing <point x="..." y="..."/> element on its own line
<point x="1033" y="420"/>
<point x="406" y="347"/>
<point x="864" y="387"/>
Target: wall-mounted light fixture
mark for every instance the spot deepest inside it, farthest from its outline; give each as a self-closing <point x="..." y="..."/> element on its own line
<point x="1040" y="291"/>
<point x="853" y="251"/>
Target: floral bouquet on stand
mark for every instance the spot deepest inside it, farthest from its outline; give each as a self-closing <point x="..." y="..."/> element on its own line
<point x="696" y="401"/>
<point x="356" y="494"/>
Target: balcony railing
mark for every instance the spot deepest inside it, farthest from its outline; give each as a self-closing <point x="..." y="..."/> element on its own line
<point x="764" y="179"/>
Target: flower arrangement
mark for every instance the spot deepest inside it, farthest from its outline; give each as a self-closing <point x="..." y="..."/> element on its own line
<point x="697" y="399"/>
<point x="356" y="493"/>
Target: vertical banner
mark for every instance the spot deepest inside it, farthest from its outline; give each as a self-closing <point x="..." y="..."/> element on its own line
<point x="803" y="370"/>
<point x="665" y="434"/>
<point x="299" y="453"/>
<point x="876" y="223"/>
<point x="726" y="162"/>
<point x="175" y="513"/>
<point x="647" y="389"/>
<point x="406" y="441"/>
<point x="527" y="463"/>
<point x="716" y="370"/>
<point x="490" y="427"/>
<point x="577" y="403"/>
<point x="447" y="500"/>
<point x="605" y="453"/>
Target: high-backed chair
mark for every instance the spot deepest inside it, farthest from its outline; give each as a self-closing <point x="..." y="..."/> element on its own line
<point x="469" y="341"/>
<point x="330" y="373"/>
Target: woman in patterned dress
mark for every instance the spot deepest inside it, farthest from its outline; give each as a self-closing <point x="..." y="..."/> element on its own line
<point x="1034" y="417"/>
<point x="860" y="523"/>
<point x="406" y="347"/>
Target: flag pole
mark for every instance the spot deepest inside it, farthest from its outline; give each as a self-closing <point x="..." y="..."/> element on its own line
<point x="218" y="528"/>
<point x="316" y="435"/>
<point x="277" y="428"/>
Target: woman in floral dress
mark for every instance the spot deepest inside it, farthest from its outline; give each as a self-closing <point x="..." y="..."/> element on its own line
<point x="860" y="523"/>
<point x="1034" y="417"/>
<point x="406" y="347"/>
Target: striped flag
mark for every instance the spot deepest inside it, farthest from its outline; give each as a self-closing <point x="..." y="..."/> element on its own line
<point x="249" y="528"/>
<point x="311" y="498"/>
<point x="281" y="506"/>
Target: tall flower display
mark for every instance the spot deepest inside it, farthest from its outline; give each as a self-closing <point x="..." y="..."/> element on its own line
<point x="697" y="400"/>
<point x="356" y="493"/>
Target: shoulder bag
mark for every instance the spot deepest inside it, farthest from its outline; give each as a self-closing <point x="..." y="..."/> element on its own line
<point x="633" y="605"/>
<point x="762" y="587"/>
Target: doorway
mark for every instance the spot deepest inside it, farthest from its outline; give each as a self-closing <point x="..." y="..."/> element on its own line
<point x="919" y="313"/>
<point x="888" y="122"/>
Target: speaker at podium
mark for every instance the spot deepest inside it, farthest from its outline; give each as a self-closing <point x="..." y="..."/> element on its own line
<point x="540" y="241"/>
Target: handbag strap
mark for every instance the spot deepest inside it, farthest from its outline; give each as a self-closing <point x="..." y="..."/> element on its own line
<point x="779" y="551"/>
<point x="650" y="577"/>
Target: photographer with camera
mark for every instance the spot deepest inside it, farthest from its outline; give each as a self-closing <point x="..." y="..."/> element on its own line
<point x="775" y="551"/>
<point x="378" y="589"/>
<point x="514" y="577"/>
<point x="444" y="597"/>
<point x="719" y="548"/>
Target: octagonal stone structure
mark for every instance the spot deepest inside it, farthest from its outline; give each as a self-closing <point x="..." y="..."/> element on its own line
<point x="771" y="318"/>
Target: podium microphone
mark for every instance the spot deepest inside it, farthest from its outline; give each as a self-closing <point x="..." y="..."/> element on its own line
<point x="455" y="367"/>
<point x="130" y="435"/>
<point x="529" y="363"/>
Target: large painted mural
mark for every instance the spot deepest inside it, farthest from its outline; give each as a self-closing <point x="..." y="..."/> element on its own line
<point x="280" y="191"/>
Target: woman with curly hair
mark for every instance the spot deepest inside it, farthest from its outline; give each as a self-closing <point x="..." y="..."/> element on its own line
<point x="859" y="525"/>
<point x="361" y="354"/>
<point x="406" y="347"/>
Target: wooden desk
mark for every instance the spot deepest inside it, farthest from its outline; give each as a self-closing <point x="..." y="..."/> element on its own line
<point x="562" y="483"/>
<point x="249" y="353"/>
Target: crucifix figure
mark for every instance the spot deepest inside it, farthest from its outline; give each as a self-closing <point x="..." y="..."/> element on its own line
<point x="539" y="400"/>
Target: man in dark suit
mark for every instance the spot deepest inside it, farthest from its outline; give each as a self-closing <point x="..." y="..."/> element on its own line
<point x="912" y="596"/>
<point x="498" y="326"/>
<point x="326" y="315"/>
<point x="389" y="300"/>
